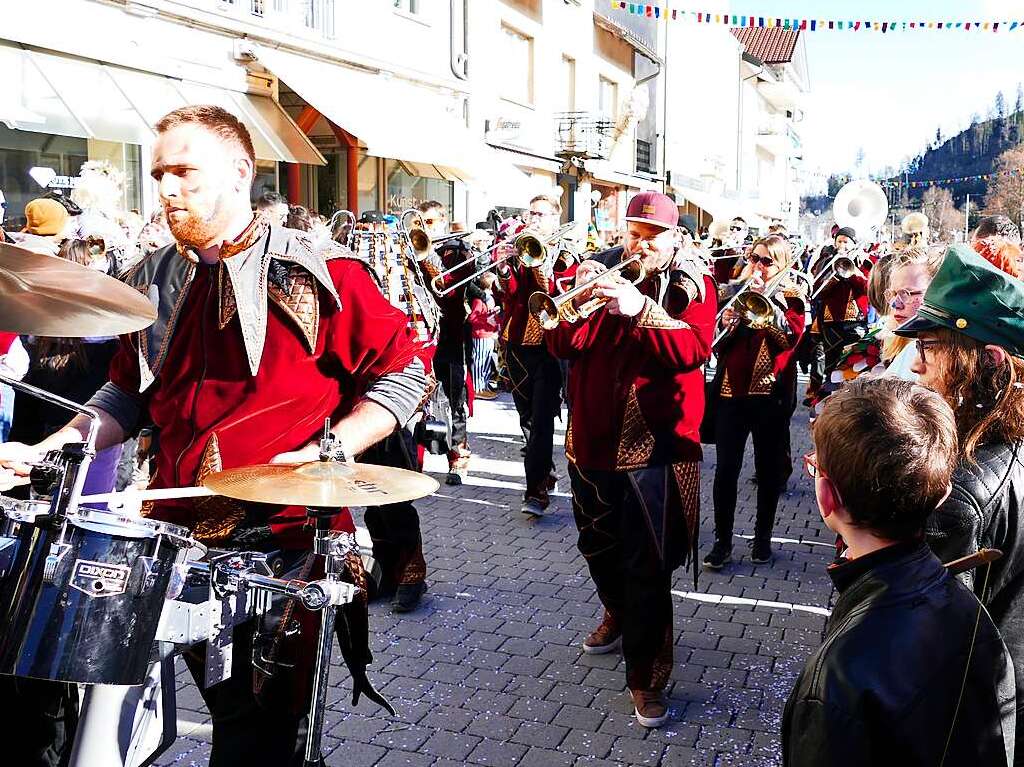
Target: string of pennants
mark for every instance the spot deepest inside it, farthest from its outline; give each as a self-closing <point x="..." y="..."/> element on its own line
<point x="807" y="25"/>
<point x="949" y="181"/>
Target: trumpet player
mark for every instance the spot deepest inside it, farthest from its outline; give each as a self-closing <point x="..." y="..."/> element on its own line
<point x="728" y="258"/>
<point x="637" y="391"/>
<point x="754" y="394"/>
<point x="535" y="376"/>
<point x="839" y="309"/>
<point x="450" y="359"/>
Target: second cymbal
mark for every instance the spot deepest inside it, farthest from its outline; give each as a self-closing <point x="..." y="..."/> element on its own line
<point x="45" y="295"/>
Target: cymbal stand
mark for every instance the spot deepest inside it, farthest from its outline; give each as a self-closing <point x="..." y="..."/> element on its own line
<point x="333" y="547"/>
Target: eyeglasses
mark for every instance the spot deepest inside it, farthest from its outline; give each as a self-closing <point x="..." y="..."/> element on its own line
<point x="811" y="466"/>
<point x="762" y="260"/>
<point x="735" y="228"/>
<point x="539" y="213"/>
<point x="432" y="221"/>
<point x="904" y="296"/>
<point x="923" y="345"/>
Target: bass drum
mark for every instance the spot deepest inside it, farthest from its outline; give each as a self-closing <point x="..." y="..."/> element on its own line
<point x="81" y="601"/>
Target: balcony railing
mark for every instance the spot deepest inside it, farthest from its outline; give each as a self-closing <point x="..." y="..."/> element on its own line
<point x="297" y="16"/>
<point x="583" y="135"/>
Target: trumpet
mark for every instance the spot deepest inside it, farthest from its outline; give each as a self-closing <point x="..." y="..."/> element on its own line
<point x="423" y="244"/>
<point x="549" y="312"/>
<point x="755" y="306"/>
<point x="529" y="248"/>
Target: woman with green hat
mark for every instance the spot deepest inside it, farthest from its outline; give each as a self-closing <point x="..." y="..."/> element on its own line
<point x="969" y="333"/>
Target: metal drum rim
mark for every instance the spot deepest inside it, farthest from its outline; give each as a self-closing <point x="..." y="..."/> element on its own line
<point x="110" y="521"/>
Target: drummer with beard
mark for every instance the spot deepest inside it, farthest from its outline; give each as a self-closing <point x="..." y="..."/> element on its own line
<point x="262" y="333"/>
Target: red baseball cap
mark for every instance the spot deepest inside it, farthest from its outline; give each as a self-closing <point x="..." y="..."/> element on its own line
<point x="653" y="208"/>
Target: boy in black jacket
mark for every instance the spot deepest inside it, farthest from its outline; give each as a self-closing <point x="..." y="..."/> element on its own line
<point x="911" y="670"/>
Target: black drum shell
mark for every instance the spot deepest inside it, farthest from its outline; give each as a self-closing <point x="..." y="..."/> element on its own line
<point x="58" y="632"/>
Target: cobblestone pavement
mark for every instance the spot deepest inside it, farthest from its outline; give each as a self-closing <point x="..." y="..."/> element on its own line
<point x="489" y="670"/>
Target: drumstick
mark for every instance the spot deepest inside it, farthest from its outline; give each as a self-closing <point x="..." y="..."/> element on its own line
<point x="148" y="495"/>
<point x="981" y="557"/>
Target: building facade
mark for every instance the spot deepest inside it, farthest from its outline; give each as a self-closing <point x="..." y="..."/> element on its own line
<point x="382" y="105"/>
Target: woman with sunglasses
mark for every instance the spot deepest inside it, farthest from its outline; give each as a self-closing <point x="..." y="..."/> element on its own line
<point x="969" y="336"/>
<point x="754" y="392"/>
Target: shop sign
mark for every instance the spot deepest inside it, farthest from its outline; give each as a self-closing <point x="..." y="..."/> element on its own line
<point x="502" y="129"/>
<point x="402" y="202"/>
<point x="48" y="178"/>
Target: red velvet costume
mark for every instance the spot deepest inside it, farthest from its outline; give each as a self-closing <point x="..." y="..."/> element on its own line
<point x="212" y="414"/>
<point x="843" y="301"/>
<point x="517" y="285"/>
<point x="755" y="360"/>
<point x="637" y="384"/>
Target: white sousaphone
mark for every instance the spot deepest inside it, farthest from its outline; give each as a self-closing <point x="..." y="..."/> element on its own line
<point x="862" y="206"/>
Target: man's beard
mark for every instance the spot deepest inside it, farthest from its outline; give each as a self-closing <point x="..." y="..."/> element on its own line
<point x="196" y="231"/>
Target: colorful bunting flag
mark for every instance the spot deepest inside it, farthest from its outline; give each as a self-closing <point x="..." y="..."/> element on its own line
<point x="659" y="10"/>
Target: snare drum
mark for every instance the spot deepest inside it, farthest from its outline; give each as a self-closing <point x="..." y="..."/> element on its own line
<point x="82" y="600"/>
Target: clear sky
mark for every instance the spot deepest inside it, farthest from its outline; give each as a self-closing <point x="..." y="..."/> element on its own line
<point x="888" y="93"/>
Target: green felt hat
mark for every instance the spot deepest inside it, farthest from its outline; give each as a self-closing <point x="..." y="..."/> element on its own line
<point x="974" y="298"/>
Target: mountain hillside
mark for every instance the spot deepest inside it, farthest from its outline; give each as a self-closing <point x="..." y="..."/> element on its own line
<point x="972" y="152"/>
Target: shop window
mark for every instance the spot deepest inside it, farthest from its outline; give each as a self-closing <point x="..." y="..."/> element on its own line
<point x="608" y="97"/>
<point x="569" y="83"/>
<point x="517" y="66"/>
<point x="61" y="157"/>
<point x="409" y="184"/>
<point x="265" y="179"/>
<point x="368" y="183"/>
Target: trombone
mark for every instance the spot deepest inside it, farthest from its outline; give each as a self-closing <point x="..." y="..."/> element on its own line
<point x="531" y="250"/>
<point x="755" y="306"/>
<point x="841" y="266"/>
<point x="423" y="244"/>
<point x="549" y="312"/>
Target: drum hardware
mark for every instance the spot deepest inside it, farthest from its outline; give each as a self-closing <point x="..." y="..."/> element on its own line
<point x="549" y="312"/>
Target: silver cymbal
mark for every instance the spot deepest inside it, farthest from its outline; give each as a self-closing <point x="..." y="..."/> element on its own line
<point x="45" y="295"/>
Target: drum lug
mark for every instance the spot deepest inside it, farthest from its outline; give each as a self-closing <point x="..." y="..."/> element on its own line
<point x="8" y="551"/>
<point x="57" y="552"/>
<point x="151" y="568"/>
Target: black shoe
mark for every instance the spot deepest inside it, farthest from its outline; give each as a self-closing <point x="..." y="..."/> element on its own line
<point x="720" y="554"/>
<point x="408" y="596"/>
<point x="761" y="552"/>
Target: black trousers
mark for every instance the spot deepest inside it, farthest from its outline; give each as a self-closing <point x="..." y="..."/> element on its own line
<point x="635" y="528"/>
<point x="264" y="731"/>
<point x="38" y="726"/>
<point x="536" y="380"/>
<point x="766" y="421"/>
<point x="395" y="528"/>
<point x="450" y="369"/>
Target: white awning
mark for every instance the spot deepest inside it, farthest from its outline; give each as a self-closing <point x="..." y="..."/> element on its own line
<point x="51" y="93"/>
<point x="715" y="205"/>
<point x="394" y="118"/>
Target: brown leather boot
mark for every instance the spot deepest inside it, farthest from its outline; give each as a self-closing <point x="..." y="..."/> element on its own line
<point x="605" y="638"/>
<point x="649" y="707"/>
